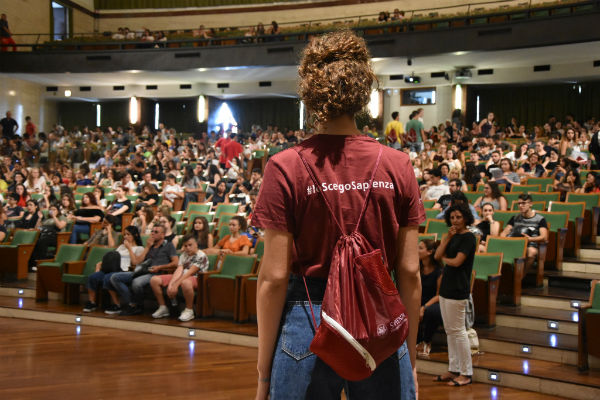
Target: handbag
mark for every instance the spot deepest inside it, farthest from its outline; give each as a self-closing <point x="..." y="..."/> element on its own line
<point x="363" y="320"/>
<point x="142" y="268"/>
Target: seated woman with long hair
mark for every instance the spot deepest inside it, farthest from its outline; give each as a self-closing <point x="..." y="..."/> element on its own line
<point x="492" y="194"/>
<point x="201" y="231"/>
<point x="430" y="316"/>
<point x="89" y="213"/>
<point x="570" y="182"/>
<point x="236" y="242"/>
<point x="509" y="176"/>
<point x="144" y="220"/>
<point x="31" y="218"/>
<point x="488" y="226"/>
<point x="49" y="227"/>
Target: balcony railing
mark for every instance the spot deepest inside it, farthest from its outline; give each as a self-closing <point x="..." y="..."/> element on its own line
<point x="432" y="19"/>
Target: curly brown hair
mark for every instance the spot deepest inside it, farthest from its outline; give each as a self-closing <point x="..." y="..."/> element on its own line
<point x="335" y="75"/>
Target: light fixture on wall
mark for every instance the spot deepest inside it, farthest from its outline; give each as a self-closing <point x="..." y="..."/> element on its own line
<point x="201" y="109"/>
<point x="98" y="114"/>
<point x="302" y="111"/>
<point x="67" y="93"/>
<point x="156" y="115"/>
<point x="12" y="93"/>
<point x="133" y="110"/>
<point x="374" y="103"/>
<point x="458" y="96"/>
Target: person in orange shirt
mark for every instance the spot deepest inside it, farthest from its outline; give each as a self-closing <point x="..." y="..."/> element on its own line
<point x="236" y="242"/>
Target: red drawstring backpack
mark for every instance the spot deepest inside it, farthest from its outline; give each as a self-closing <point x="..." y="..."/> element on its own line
<point x="363" y="320"/>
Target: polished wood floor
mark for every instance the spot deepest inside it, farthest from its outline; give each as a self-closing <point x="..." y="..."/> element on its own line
<point x="43" y="360"/>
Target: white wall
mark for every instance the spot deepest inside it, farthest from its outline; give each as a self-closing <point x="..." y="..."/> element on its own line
<point x="25" y="98"/>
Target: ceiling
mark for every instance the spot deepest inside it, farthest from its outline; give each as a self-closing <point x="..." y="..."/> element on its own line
<point x="564" y="54"/>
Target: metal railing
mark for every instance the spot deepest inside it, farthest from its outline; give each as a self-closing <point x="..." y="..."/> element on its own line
<point x="439" y="18"/>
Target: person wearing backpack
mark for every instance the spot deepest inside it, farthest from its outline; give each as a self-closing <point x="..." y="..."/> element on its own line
<point x="335" y="206"/>
<point x="393" y="130"/>
<point x="415" y="132"/>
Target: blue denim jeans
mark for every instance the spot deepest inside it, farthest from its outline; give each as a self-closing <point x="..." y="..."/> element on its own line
<point x="100" y="278"/>
<point x="78" y="229"/>
<point x="121" y="281"/>
<point x="297" y="373"/>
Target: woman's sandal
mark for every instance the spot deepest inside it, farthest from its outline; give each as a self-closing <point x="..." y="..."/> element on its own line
<point x="454" y="382"/>
<point x="439" y="378"/>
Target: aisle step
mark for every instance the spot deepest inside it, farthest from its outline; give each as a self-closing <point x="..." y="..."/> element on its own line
<point x="589" y="253"/>
<point x="529" y="344"/>
<point x="582" y="264"/>
<point x="571" y="279"/>
<point x="537" y="318"/>
<point x="552" y="297"/>
<point x="547" y="377"/>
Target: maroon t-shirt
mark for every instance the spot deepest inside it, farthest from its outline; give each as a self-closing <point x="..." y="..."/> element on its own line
<point x="289" y="200"/>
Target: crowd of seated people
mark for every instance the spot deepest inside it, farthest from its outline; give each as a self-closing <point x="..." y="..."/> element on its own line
<point x="138" y="180"/>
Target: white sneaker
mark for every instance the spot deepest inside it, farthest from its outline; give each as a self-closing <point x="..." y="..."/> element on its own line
<point x="161" y="312"/>
<point x="186" y="315"/>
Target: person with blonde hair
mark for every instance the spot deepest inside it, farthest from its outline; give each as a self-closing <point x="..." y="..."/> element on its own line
<point x="336" y="80"/>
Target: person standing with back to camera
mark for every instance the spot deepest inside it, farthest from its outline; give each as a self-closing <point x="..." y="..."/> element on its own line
<point x="300" y="232"/>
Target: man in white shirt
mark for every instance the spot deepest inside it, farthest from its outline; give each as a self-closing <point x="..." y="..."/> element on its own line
<point x="436" y="188"/>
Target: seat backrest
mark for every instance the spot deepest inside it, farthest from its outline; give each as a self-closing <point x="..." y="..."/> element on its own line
<point x="223" y="231"/>
<point x="259" y="250"/>
<point x="591" y="200"/>
<point x="595" y="295"/>
<point x="24" y="236"/>
<point x="258" y="153"/>
<point x="526" y="188"/>
<point x="504" y="216"/>
<point x="212" y="261"/>
<point x="473" y="196"/>
<point x="430" y="213"/>
<point x="536" y="205"/>
<point x="481" y="186"/>
<point x="198" y="207"/>
<point x="428" y="203"/>
<point x="177" y="215"/>
<point x="486" y="264"/>
<point x="226" y="208"/>
<point x="575" y="209"/>
<point x="511" y="248"/>
<point x="94" y="257"/>
<point x="556" y="219"/>
<point x="545" y="196"/>
<point x="84" y="189"/>
<point x="510" y="197"/>
<point x="225" y="217"/>
<point x="540" y="181"/>
<point x="144" y="239"/>
<point x="436" y="226"/>
<point x="69" y="252"/>
<point x="234" y="265"/>
<point x="428" y="236"/>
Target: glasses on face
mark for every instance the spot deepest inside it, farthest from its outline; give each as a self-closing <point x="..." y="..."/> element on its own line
<point x="157" y="232"/>
<point x="522" y="203"/>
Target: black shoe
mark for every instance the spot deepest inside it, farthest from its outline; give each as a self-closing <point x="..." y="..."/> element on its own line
<point x="131" y="310"/>
<point x="113" y="309"/>
<point x="89" y="306"/>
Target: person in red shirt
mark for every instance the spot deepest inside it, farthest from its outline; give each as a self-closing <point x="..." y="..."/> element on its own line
<point x="230" y="151"/>
<point x="300" y="232"/>
<point x="30" y="128"/>
<point x="220" y="144"/>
